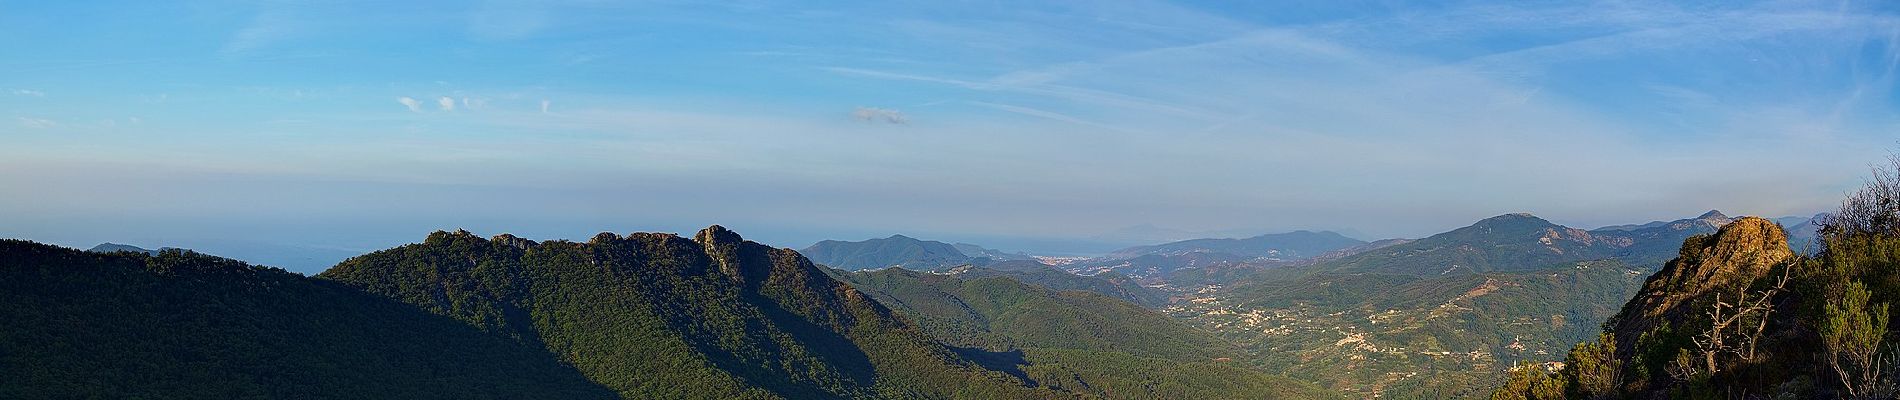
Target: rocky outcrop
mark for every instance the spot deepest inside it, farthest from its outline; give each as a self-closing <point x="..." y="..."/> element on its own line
<point x="513" y="241"/>
<point x="1729" y="260"/>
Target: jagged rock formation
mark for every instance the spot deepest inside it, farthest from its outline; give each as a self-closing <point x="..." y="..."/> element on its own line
<point x="1739" y="314"/>
<point x="1731" y="259"/>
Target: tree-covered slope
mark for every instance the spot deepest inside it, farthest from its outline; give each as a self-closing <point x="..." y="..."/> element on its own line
<point x="1109" y="284"/>
<point x="660" y="316"/>
<point x="185" y="325"/>
<point x="1075" y="340"/>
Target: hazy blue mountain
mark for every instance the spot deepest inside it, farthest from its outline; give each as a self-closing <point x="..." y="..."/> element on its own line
<point x="895" y="251"/>
<point x="307" y="260"/>
<point x="1157" y="261"/>
<point x="1278" y="246"/>
<point x="976" y="251"/>
<point x="110" y="247"/>
<point x="1229" y="272"/>
<point x="1802" y="232"/>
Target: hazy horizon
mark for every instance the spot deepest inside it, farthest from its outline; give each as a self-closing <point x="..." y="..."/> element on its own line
<point x="330" y="126"/>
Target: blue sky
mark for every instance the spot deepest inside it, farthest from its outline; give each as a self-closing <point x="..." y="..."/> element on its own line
<point x="355" y="125"/>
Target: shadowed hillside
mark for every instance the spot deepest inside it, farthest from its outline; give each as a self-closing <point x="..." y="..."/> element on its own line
<point x="185" y="325"/>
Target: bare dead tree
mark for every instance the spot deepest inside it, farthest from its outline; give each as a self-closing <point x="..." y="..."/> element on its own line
<point x="1875" y="209"/>
<point x="1736" y="328"/>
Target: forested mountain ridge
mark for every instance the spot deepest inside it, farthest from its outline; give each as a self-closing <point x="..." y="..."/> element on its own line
<point x="1034" y="273"/>
<point x="657" y="315"/>
<point x="186" y="325"/>
<point x="1517" y="241"/>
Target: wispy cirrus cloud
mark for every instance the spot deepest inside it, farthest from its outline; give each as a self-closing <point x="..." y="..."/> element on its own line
<point x="28" y="92"/>
<point x="1051" y="115"/>
<point x="37" y="123"/>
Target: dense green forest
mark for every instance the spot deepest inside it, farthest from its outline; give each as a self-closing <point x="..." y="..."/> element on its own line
<point x="660" y="316"/>
<point x="1109" y="284"/>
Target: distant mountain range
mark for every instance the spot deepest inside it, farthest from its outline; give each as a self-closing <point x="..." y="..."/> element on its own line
<point x="110" y="247"/>
<point x="1430" y="317"/>
<point x="896" y="251"/>
<point x="297" y="258"/>
<point x="1517" y="241"/>
<point x="1280" y="246"/>
<point x="975" y="251"/>
<point x="1271" y="249"/>
<point x="904" y="252"/>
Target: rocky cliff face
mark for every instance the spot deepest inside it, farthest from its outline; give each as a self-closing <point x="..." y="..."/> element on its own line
<point x="1734" y="315"/>
<point x="1729" y="260"/>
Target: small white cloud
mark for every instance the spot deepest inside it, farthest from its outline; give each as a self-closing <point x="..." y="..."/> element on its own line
<point x="446" y="103"/>
<point x="475" y="103"/>
<point x="414" y="106"/>
<point x="29" y="92"/>
<point x="38" y="123"/>
<point x="544" y="106"/>
<point x="874" y="114"/>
